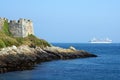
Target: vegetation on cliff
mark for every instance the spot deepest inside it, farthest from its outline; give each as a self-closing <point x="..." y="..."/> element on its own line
<point x="6" y="39"/>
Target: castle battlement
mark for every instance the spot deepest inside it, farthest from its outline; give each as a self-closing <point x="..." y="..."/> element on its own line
<point x="20" y="20"/>
<point x="19" y="28"/>
<point x="12" y="21"/>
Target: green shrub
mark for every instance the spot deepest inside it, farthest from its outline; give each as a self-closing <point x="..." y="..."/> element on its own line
<point x="10" y="41"/>
<point x="20" y="40"/>
<point x="2" y="44"/>
<point x="34" y="41"/>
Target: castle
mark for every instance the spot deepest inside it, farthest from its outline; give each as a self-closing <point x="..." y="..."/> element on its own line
<point x="20" y="28"/>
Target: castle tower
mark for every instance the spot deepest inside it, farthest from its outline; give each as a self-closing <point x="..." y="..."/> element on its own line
<point x="21" y="28"/>
<point x="15" y="28"/>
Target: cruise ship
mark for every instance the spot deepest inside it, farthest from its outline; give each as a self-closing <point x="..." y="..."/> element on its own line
<point x="95" y="40"/>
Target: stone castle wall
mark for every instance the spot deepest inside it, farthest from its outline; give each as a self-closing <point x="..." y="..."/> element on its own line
<point x="2" y="20"/>
<point x="20" y="28"/>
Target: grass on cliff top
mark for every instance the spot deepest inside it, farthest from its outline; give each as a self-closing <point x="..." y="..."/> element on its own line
<point x="6" y="39"/>
<point x="33" y="41"/>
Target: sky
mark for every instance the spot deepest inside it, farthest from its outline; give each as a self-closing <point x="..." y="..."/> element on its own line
<point x="67" y="21"/>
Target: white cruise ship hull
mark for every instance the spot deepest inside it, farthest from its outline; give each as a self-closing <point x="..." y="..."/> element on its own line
<point x="101" y="42"/>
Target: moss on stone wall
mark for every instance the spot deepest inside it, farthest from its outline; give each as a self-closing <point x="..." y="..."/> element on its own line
<point x="6" y="28"/>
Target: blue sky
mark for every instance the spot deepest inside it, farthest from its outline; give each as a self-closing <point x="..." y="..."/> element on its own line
<point x="67" y="20"/>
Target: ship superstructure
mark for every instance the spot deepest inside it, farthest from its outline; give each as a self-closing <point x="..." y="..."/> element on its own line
<point x="95" y="40"/>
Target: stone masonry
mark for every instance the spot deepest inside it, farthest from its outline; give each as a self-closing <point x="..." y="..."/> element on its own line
<point x="20" y="28"/>
<point x="2" y="22"/>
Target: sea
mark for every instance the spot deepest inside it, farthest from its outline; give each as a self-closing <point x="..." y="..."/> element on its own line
<point x="104" y="67"/>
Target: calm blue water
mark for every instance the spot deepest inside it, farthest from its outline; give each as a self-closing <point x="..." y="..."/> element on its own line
<point x="104" y="67"/>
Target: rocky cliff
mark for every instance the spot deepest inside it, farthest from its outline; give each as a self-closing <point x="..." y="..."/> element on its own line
<point x="24" y="57"/>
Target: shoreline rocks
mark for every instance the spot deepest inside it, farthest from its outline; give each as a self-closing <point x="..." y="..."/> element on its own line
<point x="24" y="57"/>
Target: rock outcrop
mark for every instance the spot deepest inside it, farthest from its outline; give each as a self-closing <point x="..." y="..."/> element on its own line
<point x="24" y="57"/>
